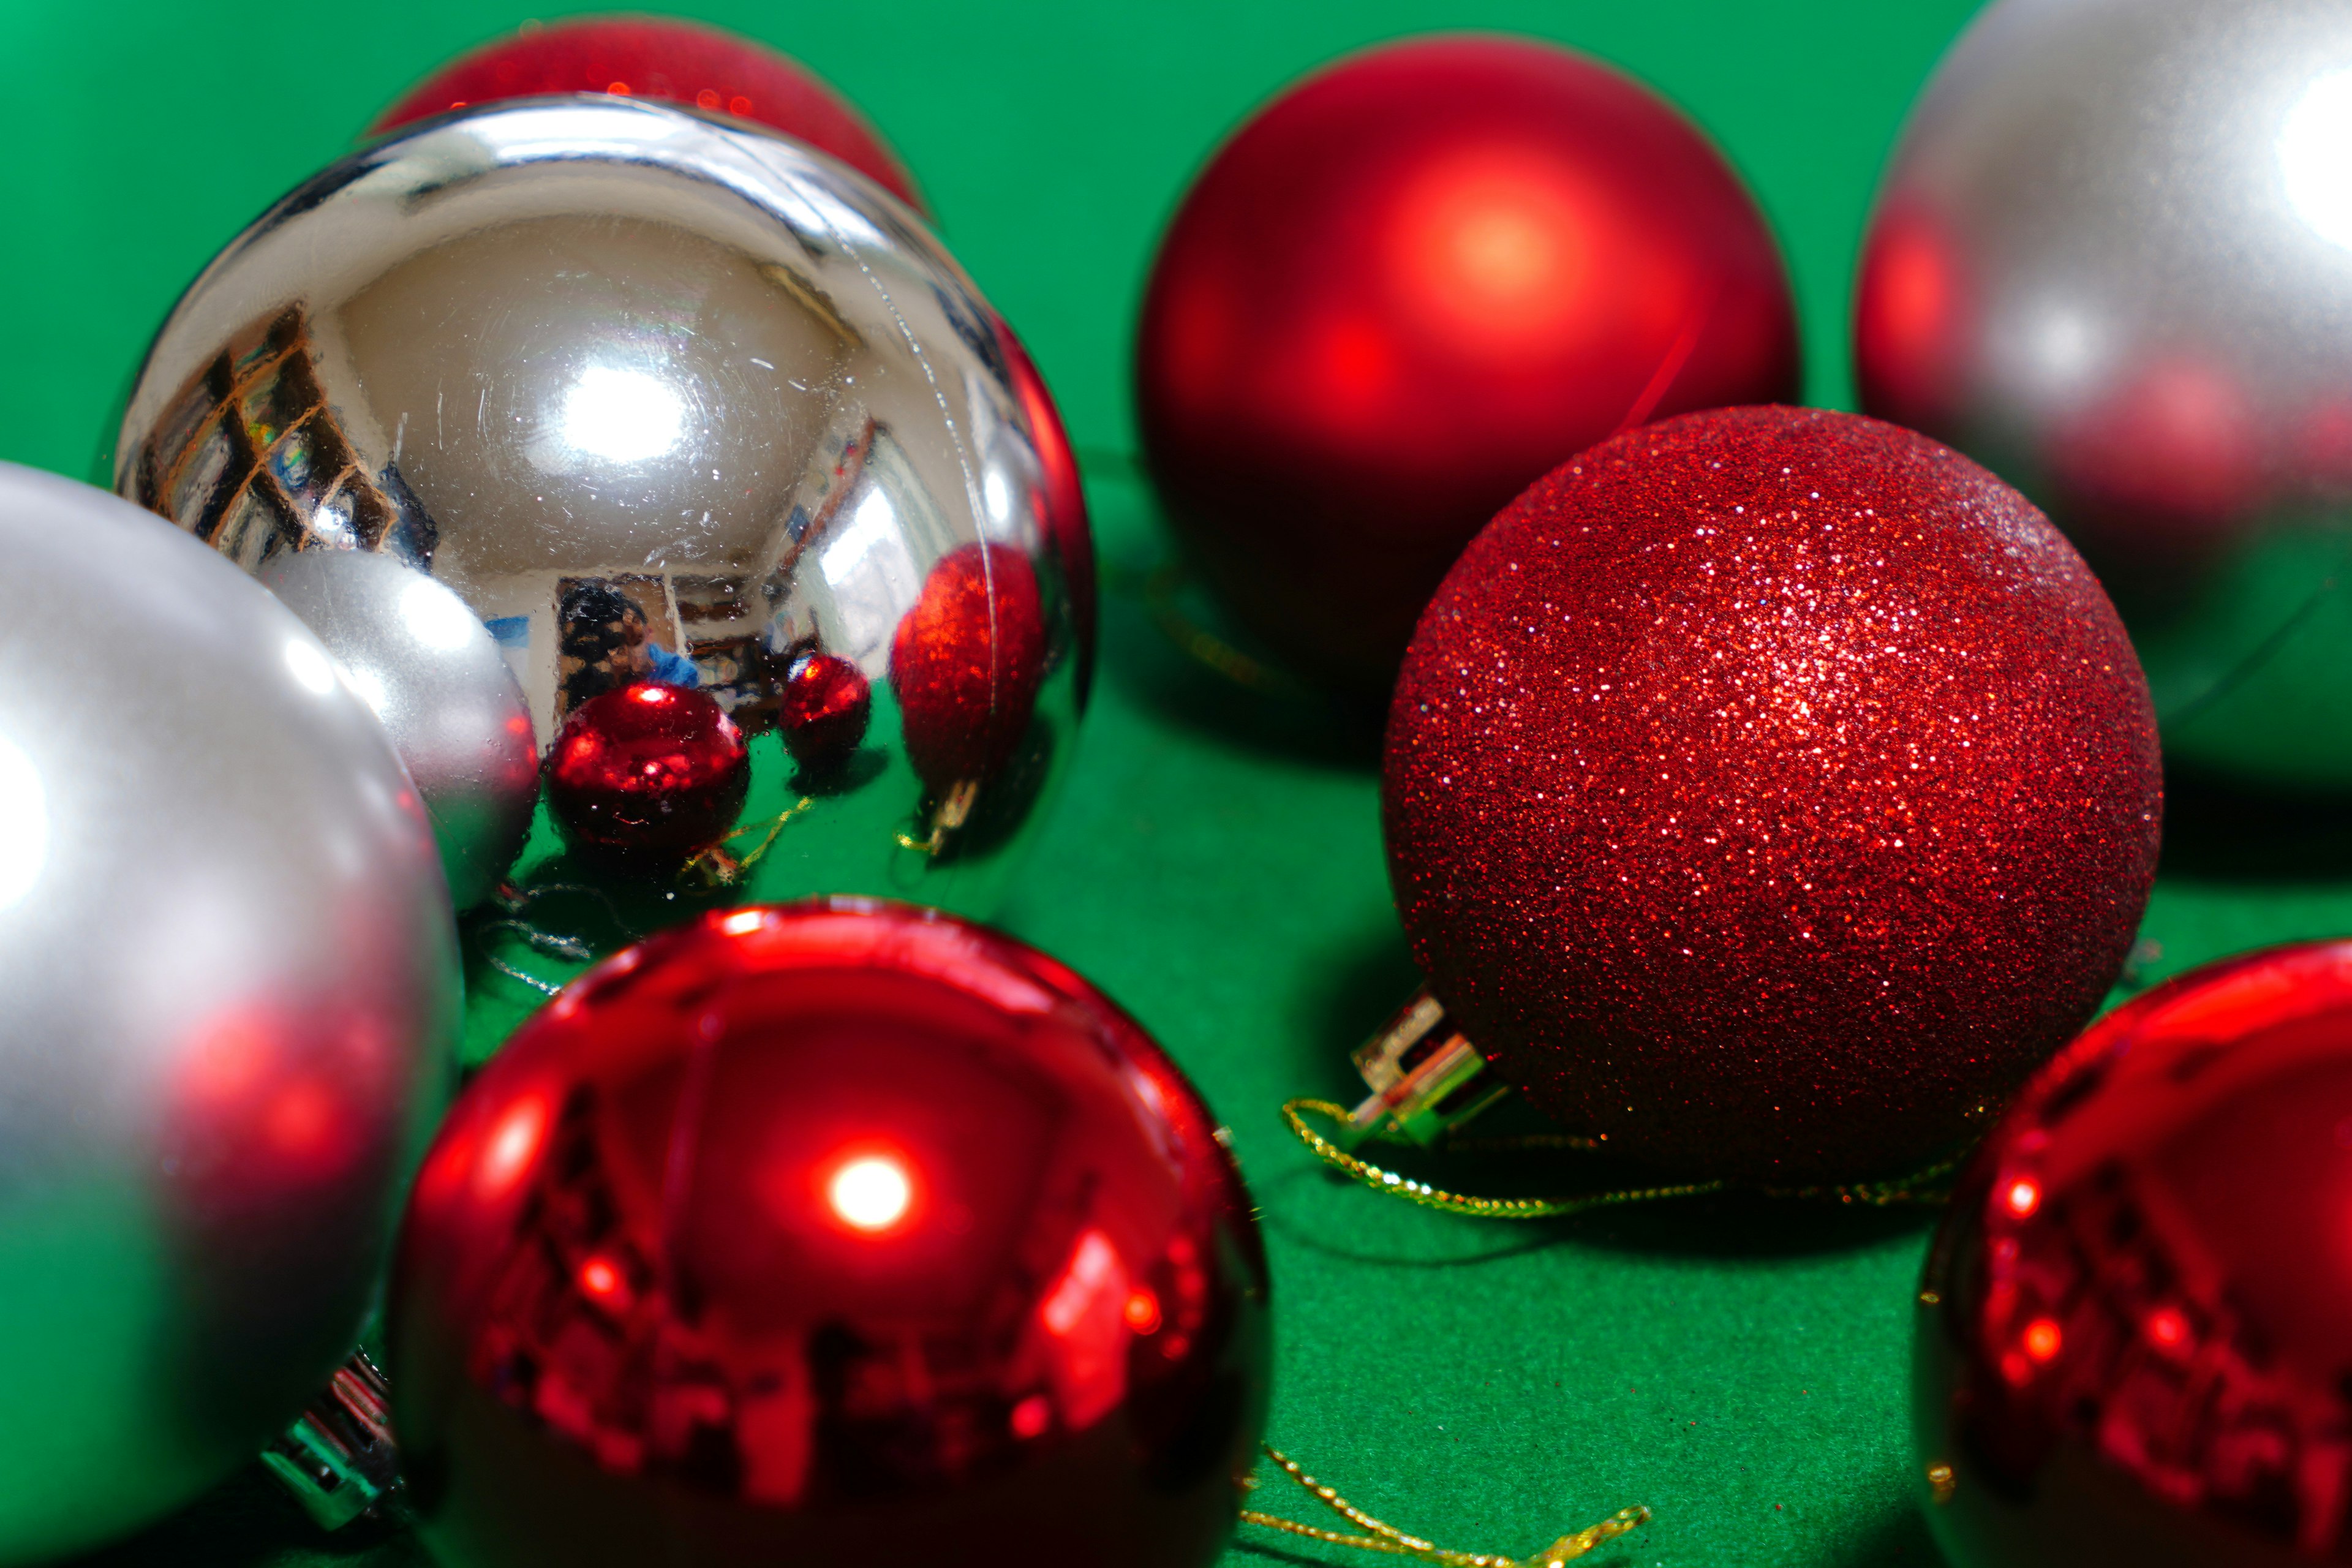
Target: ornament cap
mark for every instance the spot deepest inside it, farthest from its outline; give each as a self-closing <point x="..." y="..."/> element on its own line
<point x="338" y="1459"/>
<point x="1426" y="1079"/>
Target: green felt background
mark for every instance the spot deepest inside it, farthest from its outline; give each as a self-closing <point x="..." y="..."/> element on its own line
<point x="1215" y="863"/>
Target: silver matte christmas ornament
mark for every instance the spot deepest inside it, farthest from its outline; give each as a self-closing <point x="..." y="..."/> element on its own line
<point x="232" y="997"/>
<point x="430" y="669"/>
<point x="2113" y="260"/>
<point x="655" y="396"/>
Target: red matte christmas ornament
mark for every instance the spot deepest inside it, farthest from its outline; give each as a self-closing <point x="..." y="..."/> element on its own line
<point x="661" y="58"/>
<point x="966" y="663"/>
<point x="828" y="701"/>
<point x="2134" y="1327"/>
<point x="1409" y="287"/>
<point x="647" y="773"/>
<point x="1768" y="792"/>
<point x="797" y="1230"/>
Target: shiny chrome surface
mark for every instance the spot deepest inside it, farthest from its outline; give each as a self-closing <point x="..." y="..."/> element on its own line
<point x="231" y="998"/>
<point x="434" y="675"/>
<point x="2131" y="1336"/>
<point x="2113" y="260"/>
<point x="796" y="1229"/>
<point x="555" y="350"/>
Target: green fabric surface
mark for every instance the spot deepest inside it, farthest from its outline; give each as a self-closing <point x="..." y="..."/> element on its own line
<point x="1215" y="860"/>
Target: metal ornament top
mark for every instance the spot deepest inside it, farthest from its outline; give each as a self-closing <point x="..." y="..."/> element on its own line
<point x="657" y="396"/>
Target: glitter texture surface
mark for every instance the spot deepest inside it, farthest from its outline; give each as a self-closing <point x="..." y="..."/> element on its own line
<point x="1770" y="790"/>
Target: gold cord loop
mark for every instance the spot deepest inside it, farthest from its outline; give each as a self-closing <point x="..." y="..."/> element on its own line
<point x="1928" y="1186"/>
<point x="948" y="816"/>
<point x="1205" y="648"/>
<point x="1388" y="1539"/>
<point x="1293" y="1112"/>
<point x="719" y="867"/>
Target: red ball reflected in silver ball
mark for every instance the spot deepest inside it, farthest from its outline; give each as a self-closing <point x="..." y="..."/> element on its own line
<point x="802" y="1230"/>
<point x="827" y="702"/>
<point x="648" y="774"/>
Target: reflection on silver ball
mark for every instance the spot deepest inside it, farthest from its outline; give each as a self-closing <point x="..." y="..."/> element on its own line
<point x="2113" y="260"/>
<point x="231" y="992"/>
<point x="430" y="669"/>
<point x="656" y="395"/>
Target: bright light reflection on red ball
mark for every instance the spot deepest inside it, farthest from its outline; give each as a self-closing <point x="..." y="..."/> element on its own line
<point x="1411" y="285"/>
<point x="871" y="1193"/>
<point x="793" y="1215"/>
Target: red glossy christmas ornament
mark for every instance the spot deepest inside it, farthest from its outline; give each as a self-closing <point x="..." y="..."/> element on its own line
<point x="661" y="58"/>
<point x="1065" y="499"/>
<point x="1770" y="790"/>
<point x="1409" y="287"/>
<point x="647" y="772"/>
<point x="2136" y="1327"/>
<point x="828" y="701"/>
<point x="799" y="1234"/>
<point x="966" y="663"/>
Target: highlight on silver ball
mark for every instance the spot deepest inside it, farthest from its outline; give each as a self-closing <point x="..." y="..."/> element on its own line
<point x="655" y="397"/>
<point x="2112" y="259"/>
<point x="232" y="1003"/>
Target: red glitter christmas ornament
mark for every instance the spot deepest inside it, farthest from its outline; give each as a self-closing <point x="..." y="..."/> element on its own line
<point x="2135" y="1327"/>
<point x="966" y="663"/>
<point x="647" y="773"/>
<point x="1768" y="792"/>
<point x="660" y="57"/>
<point x="1409" y="287"/>
<point x="797" y="1230"/>
<point x="828" y="701"/>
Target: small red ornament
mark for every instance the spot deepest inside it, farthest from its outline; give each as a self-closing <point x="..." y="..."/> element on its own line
<point x="1064" y="499"/>
<point x="966" y="663"/>
<point x="796" y="1230"/>
<point x="828" y="701"/>
<point x="1770" y="791"/>
<point x="2136" y="1327"/>
<point x="1406" y="289"/>
<point x="659" y="57"/>
<point x="647" y="772"/>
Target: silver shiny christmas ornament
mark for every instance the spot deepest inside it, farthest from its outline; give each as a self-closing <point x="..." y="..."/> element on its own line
<point x="232" y="997"/>
<point x="435" y="676"/>
<point x="655" y="396"/>
<point x="2113" y="260"/>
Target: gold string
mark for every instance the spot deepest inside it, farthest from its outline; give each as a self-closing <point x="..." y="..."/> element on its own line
<point x="1421" y="1193"/>
<point x="1387" y="1538"/>
<point x="1158" y="591"/>
<point x="1205" y="648"/>
<point x="717" y="867"/>
<point x="1931" y="1185"/>
<point x="1925" y="1187"/>
<point x="953" y="810"/>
